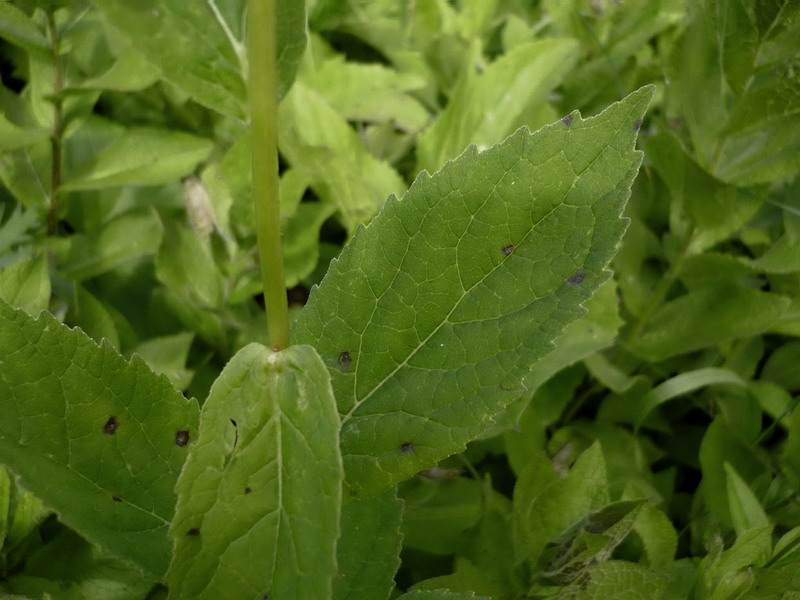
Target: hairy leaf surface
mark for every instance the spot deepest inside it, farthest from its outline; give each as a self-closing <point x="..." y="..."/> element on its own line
<point x="434" y="314"/>
<point x="93" y="435"/>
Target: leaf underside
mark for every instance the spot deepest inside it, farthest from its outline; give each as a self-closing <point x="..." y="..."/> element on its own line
<point x="434" y="313"/>
<point x="259" y="498"/>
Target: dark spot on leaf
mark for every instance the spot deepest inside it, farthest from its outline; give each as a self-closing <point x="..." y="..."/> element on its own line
<point x="116" y="498"/>
<point x="181" y="438"/>
<point x="110" y="428"/>
<point x="637" y="125"/>
<point x="234" y="423"/>
<point x="509" y="249"/>
<point x="193" y="532"/>
<point x="248" y="490"/>
<point x="343" y="360"/>
<point x="406" y="447"/>
<point x="577" y="278"/>
<point x="265" y="597"/>
<point x="567" y="120"/>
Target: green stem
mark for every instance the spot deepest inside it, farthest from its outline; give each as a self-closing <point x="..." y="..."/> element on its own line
<point x="263" y="96"/>
<point x="56" y="140"/>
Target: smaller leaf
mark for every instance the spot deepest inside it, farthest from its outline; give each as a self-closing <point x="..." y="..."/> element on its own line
<point x="126" y="237"/>
<point x="267" y="452"/>
<point x="683" y="384"/>
<point x="20" y="29"/>
<point x="440" y="595"/>
<point x="26" y="285"/>
<point x="746" y="510"/>
<point x="141" y="156"/>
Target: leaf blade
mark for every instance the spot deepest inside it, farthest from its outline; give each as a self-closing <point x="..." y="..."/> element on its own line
<point x="267" y="453"/>
<point x="399" y="415"/>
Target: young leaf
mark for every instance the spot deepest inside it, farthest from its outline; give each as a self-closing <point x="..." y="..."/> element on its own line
<point x="259" y="497"/>
<point x="445" y="301"/>
<point x="93" y="435"/>
<point x="367" y="553"/>
<point x="746" y="510"/>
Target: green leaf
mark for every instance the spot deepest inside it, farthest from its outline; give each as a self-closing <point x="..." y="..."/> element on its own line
<point x="93" y="435"/>
<point x="141" y="156"/>
<point x="707" y="317"/>
<point x="590" y="541"/>
<point x="746" y="510"/>
<point x="371" y="92"/>
<point x="21" y="30"/>
<point x="542" y="515"/>
<point x="444" y="302"/>
<point x="266" y="453"/>
<point x="781" y="366"/>
<point x="69" y="568"/>
<point x="126" y="237"/>
<point x="440" y="595"/>
<point x="436" y="514"/>
<point x="184" y="263"/>
<point x="206" y="57"/>
<point x="319" y="143"/>
<point x="367" y="553"/>
<point x="485" y="108"/>
<point x="26" y="285"/>
<point x="301" y="240"/>
<point x="88" y="313"/>
<point x="11" y="136"/>
<point x="618" y="580"/>
<point x="680" y="385"/>
<point x="167" y="355"/>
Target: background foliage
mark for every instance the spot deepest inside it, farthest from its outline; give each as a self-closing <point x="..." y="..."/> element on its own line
<point x="654" y="453"/>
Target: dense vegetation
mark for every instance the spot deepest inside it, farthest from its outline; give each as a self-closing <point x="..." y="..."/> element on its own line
<point x="540" y="370"/>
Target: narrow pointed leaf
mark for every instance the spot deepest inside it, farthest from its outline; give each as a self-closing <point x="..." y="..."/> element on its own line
<point x="259" y="498"/>
<point x="93" y="435"/>
<point x="434" y="313"/>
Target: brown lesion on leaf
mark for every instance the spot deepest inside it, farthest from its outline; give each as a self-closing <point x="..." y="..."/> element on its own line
<point x="577" y="277"/>
<point x="508" y="250"/>
<point x="110" y="428"/>
<point x="567" y="120"/>
<point x="181" y="438"/>
<point x="637" y="125"/>
<point x="343" y="360"/>
<point x="248" y="490"/>
<point x="193" y="532"/>
<point x="406" y="447"/>
<point x="116" y="498"/>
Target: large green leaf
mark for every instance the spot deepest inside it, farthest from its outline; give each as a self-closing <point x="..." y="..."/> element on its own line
<point x="259" y="497"/>
<point x="434" y="314"/>
<point x="199" y="46"/>
<point x="97" y="438"/>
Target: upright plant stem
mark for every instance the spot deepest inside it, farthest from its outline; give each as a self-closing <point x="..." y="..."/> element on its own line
<point x="263" y="96"/>
<point x="56" y="153"/>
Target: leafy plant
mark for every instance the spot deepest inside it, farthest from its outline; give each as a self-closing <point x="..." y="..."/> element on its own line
<point x="531" y="372"/>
